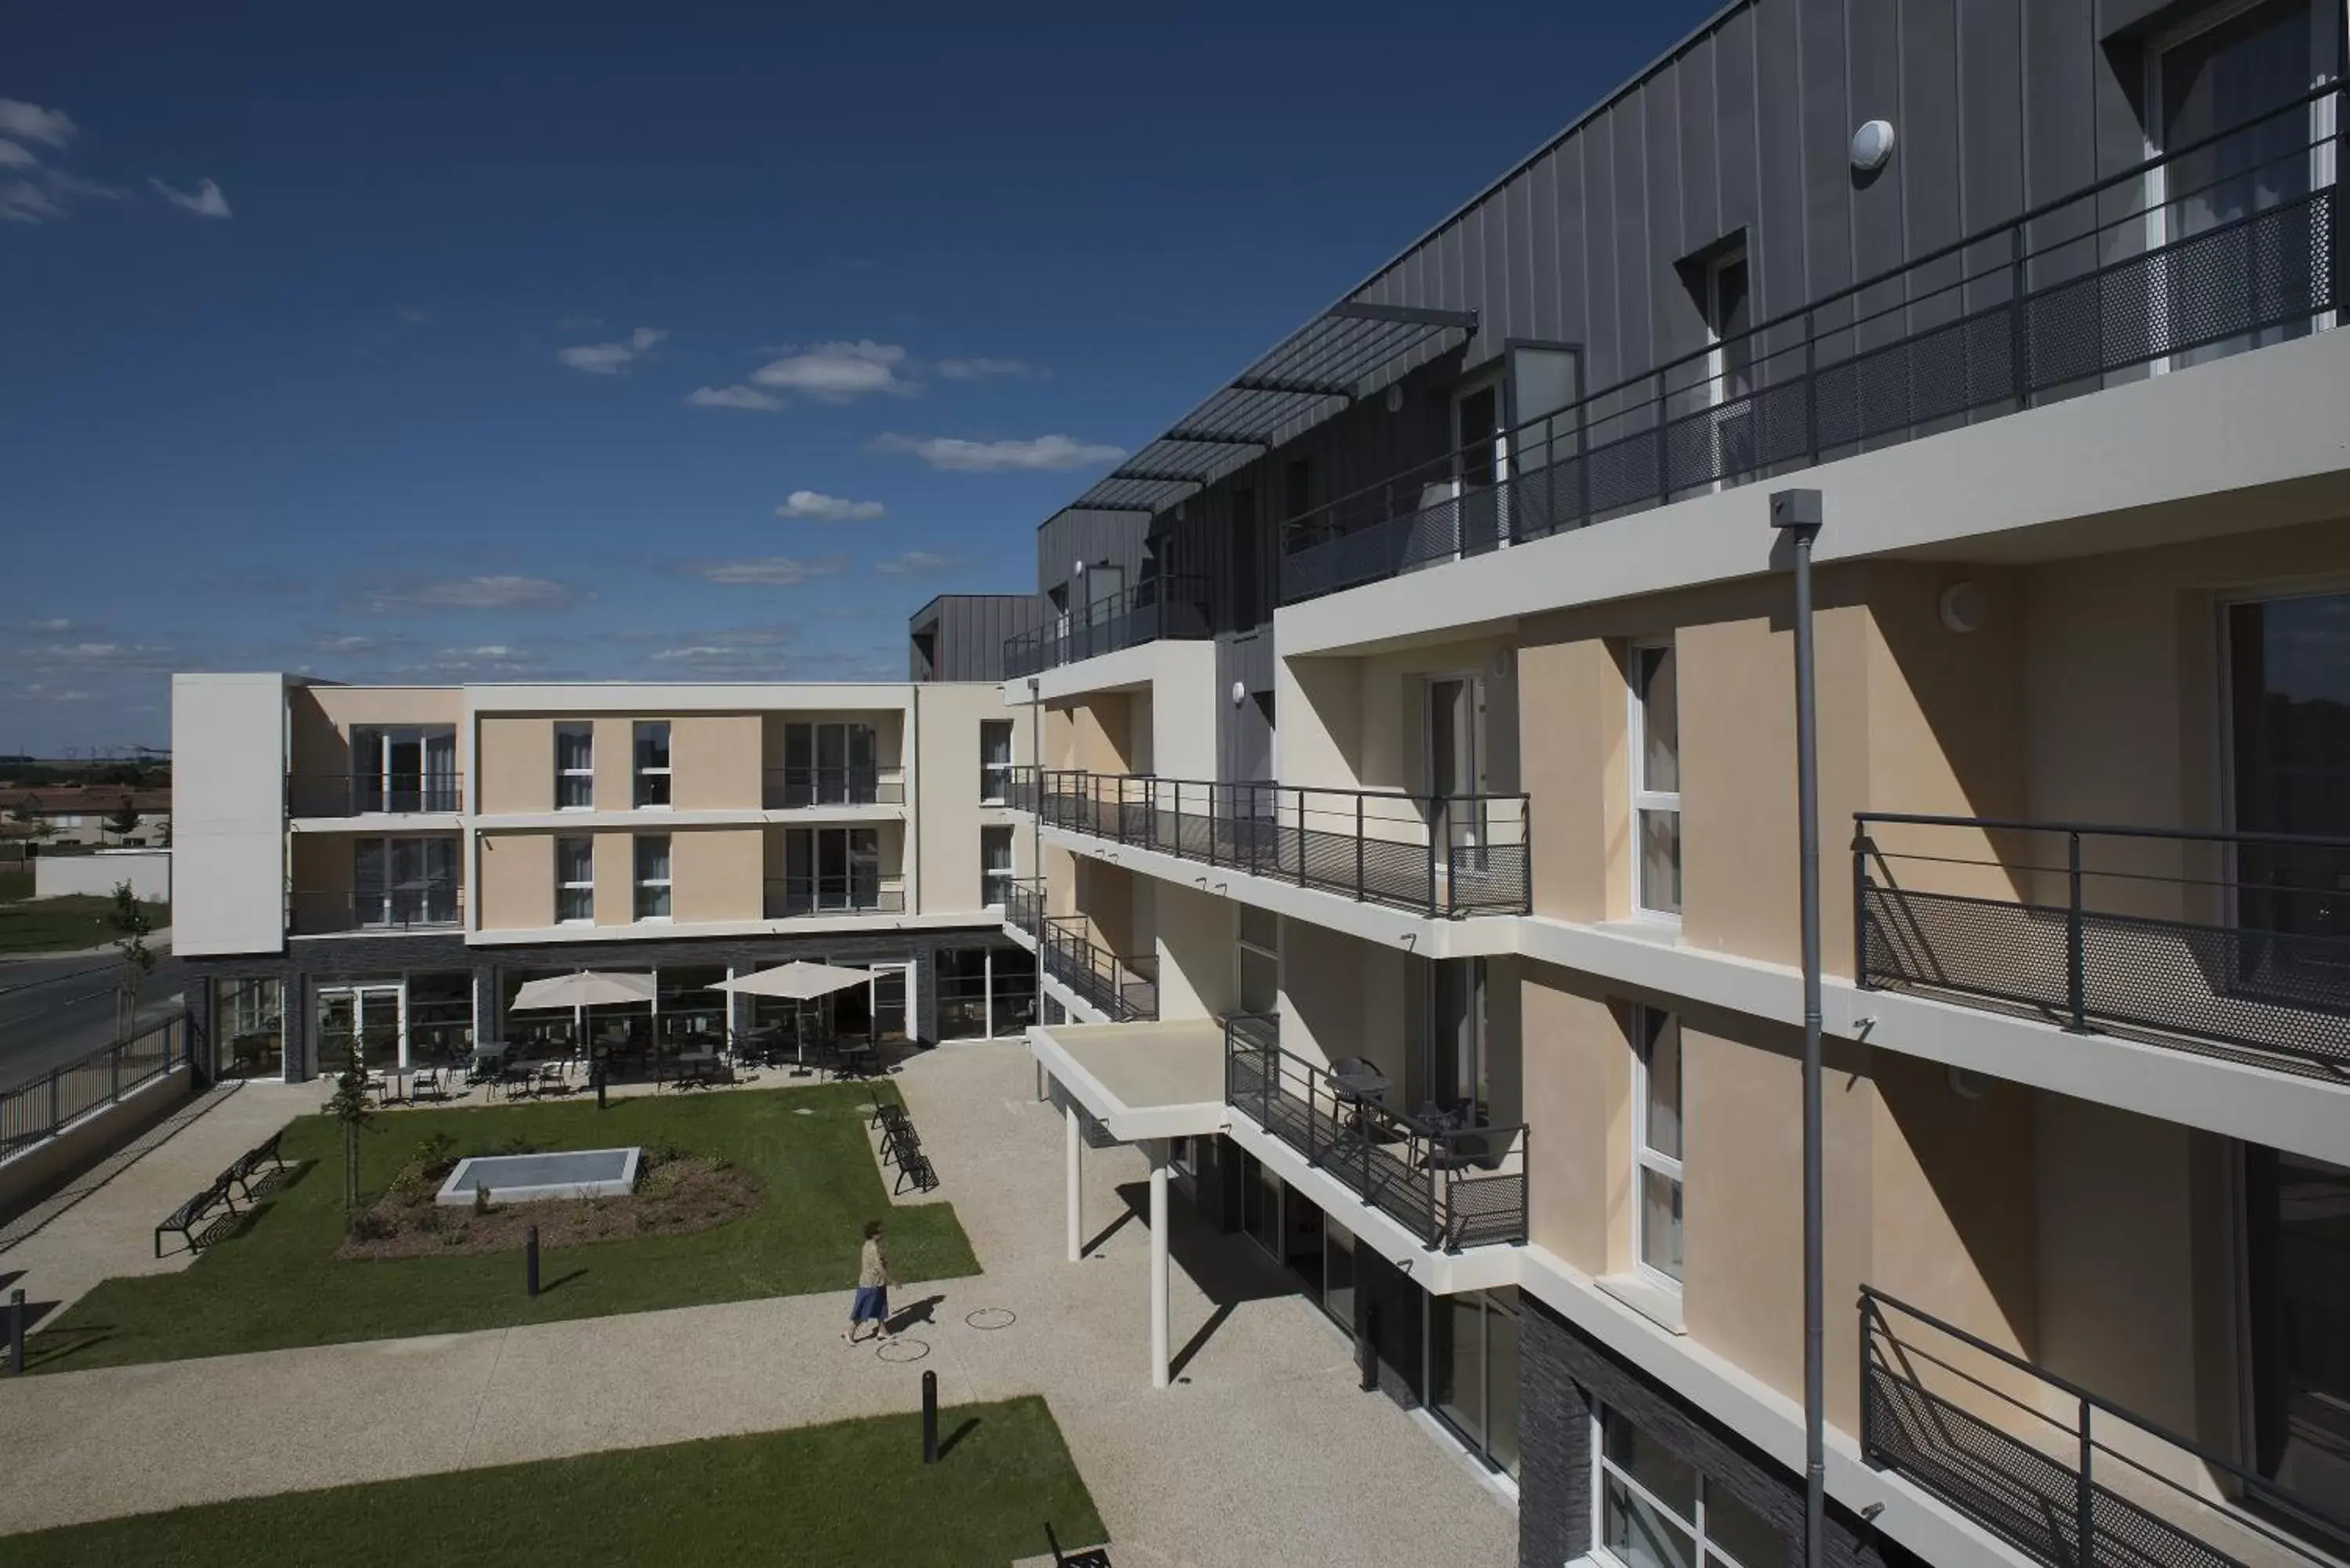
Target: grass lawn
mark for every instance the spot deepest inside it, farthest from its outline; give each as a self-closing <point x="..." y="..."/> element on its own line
<point x="277" y="1281"/>
<point x="848" y="1495"/>
<point x="29" y="925"/>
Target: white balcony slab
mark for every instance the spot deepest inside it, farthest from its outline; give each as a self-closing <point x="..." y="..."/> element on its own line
<point x="1140" y="1080"/>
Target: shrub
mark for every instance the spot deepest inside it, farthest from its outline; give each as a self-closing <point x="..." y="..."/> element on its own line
<point x="437" y="1154"/>
<point x="411" y="1186"/>
<point x="517" y="1144"/>
<point x="480" y="1198"/>
<point x="368" y="1225"/>
<point x="658" y="1153"/>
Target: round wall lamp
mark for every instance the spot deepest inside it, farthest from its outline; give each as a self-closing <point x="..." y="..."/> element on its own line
<point x="1967" y="1083"/>
<point x="1240" y="692"/>
<point x="1393" y="400"/>
<point x="1078" y="570"/>
<point x="1872" y="146"/>
<point x="1961" y="607"/>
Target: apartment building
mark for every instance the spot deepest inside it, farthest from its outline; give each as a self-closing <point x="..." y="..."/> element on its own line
<point x="389" y="865"/>
<point x="1416" y="798"/>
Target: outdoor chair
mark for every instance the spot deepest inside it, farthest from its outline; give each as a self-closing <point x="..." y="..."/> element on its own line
<point x="428" y="1082"/>
<point x="551" y="1079"/>
<point x="915" y="1167"/>
<point x="886" y="1113"/>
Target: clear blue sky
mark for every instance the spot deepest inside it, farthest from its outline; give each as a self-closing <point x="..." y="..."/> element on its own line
<point x="433" y="342"/>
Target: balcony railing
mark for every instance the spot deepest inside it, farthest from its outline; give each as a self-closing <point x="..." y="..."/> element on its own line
<point x="1171" y="608"/>
<point x="1023" y="906"/>
<point x="1124" y="989"/>
<point x="2063" y="1476"/>
<point x="790" y="789"/>
<point x="418" y="905"/>
<point x="2042" y="307"/>
<point x="1447" y="855"/>
<point x="789" y="897"/>
<point x="357" y="794"/>
<point x="2237" y="940"/>
<point x="1021" y="786"/>
<point x="1449" y="1187"/>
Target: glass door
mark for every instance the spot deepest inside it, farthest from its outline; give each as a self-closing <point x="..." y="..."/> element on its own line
<point x="2298" y="1251"/>
<point x="1454" y="1069"/>
<point x="2288" y="687"/>
<point x="1480" y="462"/>
<point x="373" y="1017"/>
<point x="1455" y="763"/>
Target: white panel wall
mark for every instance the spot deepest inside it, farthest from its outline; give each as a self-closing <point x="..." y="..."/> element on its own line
<point x="228" y="828"/>
<point x="1183" y="699"/>
<point x="148" y="872"/>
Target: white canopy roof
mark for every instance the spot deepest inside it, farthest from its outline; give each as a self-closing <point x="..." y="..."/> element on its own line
<point x="800" y="980"/>
<point x="589" y="988"/>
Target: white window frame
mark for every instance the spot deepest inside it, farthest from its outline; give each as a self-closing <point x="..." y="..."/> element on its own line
<point x="588" y="731"/>
<point x="1703" y="1549"/>
<point x="1647" y="1160"/>
<point x="641" y="884"/>
<point x="995" y="778"/>
<point x="1643" y="798"/>
<point x="995" y="885"/>
<point x="639" y="772"/>
<point x="380" y="739"/>
<point x="563" y="887"/>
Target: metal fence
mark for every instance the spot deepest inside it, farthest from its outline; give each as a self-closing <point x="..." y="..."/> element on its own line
<point x="410" y="907"/>
<point x="1439" y="854"/>
<point x="1023" y="906"/>
<point x="1155" y="609"/>
<point x="789" y="789"/>
<point x="789" y="897"/>
<point x="2063" y="1476"/>
<point x="2237" y="940"/>
<point x="353" y="795"/>
<point x="1449" y="1187"/>
<point x="2042" y="307"/>
<point x="1124" y="989"/>
<point x="39" y="1108"/>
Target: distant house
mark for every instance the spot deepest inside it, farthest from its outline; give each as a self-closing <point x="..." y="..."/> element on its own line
<point x="77" y="814"/>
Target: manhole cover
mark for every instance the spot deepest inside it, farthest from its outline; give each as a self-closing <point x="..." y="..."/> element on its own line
<point x="903" y="1350"/>
<point x="992" y="1318"/>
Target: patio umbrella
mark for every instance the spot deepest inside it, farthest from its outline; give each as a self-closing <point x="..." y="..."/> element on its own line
<point x="583" y="990"/>
<point x="798" y="981"/>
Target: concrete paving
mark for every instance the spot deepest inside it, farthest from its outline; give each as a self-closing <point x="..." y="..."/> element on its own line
<point x="1265" y="1452"/>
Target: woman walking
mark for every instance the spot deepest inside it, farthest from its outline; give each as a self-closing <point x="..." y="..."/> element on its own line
<point x="873" y="1281"/>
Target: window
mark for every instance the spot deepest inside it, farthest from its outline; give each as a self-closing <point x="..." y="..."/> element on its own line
<point x="2288" y="686"/>
<point x="404" y="882"/>
<point x="1472" y="1372"/>
<point x="652" y="764"/>
<point x="575" y="767"/>
<point x="1257" y="960"/>
<point x="831" y="869"/>
<point x="404" y="769"/>
<point x="652" y="875"/>
<point x="575" y="881"/>
<point x="1656" y="1144"/>
<point x="1657" y="1512"/>
<point x="1655" y="779"/>
<point x="831" y="764"/>
<point x="995" y="866"/>
<point x="994" y="760"/>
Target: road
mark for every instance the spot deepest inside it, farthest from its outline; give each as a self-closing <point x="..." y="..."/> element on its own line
<point x="53" y="1010"/>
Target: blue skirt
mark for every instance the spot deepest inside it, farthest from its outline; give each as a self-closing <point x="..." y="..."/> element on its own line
<point x="872" y="1303"/>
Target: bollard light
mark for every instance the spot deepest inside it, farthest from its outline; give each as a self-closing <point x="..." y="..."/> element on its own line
<point x="930" y="1418"/>
<point x="530" y="1262"/>
<point x="16" y="1333"/>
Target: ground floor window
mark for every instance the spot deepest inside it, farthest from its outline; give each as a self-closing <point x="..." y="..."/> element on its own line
<point x="985" y="992"/>
<point x="1472" y="1371"/>
<point x="249" y="1026"/>
<point x="440" y="1017"/>
<point x="691" y="1014"/>
<point x="1656" y="1510"/>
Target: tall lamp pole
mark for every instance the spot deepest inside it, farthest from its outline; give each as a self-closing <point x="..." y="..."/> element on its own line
<point x="1036" y="849"/>
<point x="1797" y="513"/>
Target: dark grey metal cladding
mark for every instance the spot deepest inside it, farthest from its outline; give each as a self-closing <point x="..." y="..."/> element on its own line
<point x="1096" y="538"/>
<point x="1244" y="729"/>
<point x="960" y="637"/>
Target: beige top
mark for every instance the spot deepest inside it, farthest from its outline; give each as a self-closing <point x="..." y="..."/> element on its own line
<point x="872" y="1268"/>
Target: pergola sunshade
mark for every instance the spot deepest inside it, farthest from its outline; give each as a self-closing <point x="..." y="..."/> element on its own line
<point x="1308" y="375"/>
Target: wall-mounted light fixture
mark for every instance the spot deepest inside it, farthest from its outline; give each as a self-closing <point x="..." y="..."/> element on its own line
<point x="1872" y="146"/>
<point x="1394" y="398"/>
<point x="1961" y="607"/>
<point x="1240" y="692"/>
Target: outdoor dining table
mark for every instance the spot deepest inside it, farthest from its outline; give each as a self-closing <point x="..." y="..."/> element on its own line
<point x="696" y="1067"/>
<point x="851" y="1056"/>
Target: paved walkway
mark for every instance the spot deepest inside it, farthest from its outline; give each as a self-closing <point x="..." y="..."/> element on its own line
<point x="1263" y="1453"/>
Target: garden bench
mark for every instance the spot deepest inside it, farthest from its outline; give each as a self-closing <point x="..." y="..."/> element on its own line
<point x="242" y="1171"/>
<point x="198" y="1220"/>
<point x="915" y="1167"/>
<point x="900" y="1142"/>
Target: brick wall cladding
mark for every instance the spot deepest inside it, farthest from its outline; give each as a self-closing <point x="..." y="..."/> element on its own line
<point x="1563" y="1375"/>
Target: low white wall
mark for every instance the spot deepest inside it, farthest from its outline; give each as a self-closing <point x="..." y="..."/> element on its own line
<point x="148" y="872"/>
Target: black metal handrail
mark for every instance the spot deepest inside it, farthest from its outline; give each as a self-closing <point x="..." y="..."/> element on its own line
<point x="418" y="905"/>
<point x="1172" y="609"/>
<point x="1450" y="1187"/>
<point x="1123" y="989"/>
<point x="311" y="793"/>
<point x="2000" y="317"/>
<point x="1450" y="856"/>
<point x="2237" y="940"/>
<point x="790" y="788"/>
<point x="787" y="897"/>
<point x="38" y="1107"/>
<point x="1021" y="788"/>
<point x="1023" y="906"/>
<point x="1999" y="1457"/>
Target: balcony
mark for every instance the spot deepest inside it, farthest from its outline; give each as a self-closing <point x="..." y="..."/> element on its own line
<point x="408" y="907"/>
<point x="1123" y="989"/>
<point x="802" y="788"/>
<point x="2062" y="1474"/>
<point x="1023" y="907"/>
<point x="1449" y="1187"/>
<point x="2237" y="944"/>
<point x="2042" y="308"/>
<point x="1156" y="608"/>
<point x="1446" y="856"/>
<point x="790" y="898"/>
<point x="375" y="794"/>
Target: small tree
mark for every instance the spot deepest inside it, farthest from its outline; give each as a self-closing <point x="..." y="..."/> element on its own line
<point x="350" y="1106"/>
<point x="124" y="822"/>
<point x="131" y="926"/>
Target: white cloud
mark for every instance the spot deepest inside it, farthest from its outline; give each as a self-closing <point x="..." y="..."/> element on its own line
<point x="732" y="398"/>
<point x="31" y="123"/>
<point x="15" y="157"/>
<point x="980" y="369"/>
<point x="1045" y="452"/>
<point x="345" y="642"/>
<point x="822" y="508"/>
<point x="205" y="200"/>
<point x="836" y="372"/>
<point x="92" y="653"/>
<point x="58" y="623"/>
<point x="22" y="202"/>
<point x="478" y="593"/>
<point x="770" y="571"/>
<point x="913" y="563"/>
<point x="611" y="358"/>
